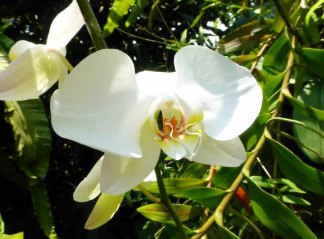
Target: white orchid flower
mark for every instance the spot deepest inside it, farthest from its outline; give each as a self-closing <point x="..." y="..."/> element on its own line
<point x="36" y="67"/>
<point x="196" y="112"/>
<point x="107" y="205"/>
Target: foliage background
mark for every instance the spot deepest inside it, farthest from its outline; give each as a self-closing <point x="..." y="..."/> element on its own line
<point x="37" y="194"/>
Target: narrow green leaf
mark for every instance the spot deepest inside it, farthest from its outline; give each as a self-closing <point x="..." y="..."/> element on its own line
<point x="313" y="60"/>
<point x="304" y="108"/>
<point x="42" y="208"/>
<point x="159" y="213"/>
<point x="276" y="216"/>
<point x="292" y="199"/>
<point x="225" y="176"/>
<point x="311" y="95"/>
<point x="310" y="24"/>
<point x="119" y="9"/>
<point x="209" y="197"/>
<point x="276" y="58"/>
<point x="32" y="135"/>
<point x="294" y="168"/>
<point x="175" y="186"/>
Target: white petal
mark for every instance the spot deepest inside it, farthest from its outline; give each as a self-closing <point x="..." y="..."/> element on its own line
<point x="97" y="104"/>
<point x="64" y="26"/>
<point x="104" y="210"/>
<point x="19" y="47"/>
<point x="172" y="148"/>
<point x="30" y="74"/>
<point x="230" y="95"/>
<point x="89" y="188"/>
<point x="152" y="83"/>
<point x="230" y="153"/>
<point x="120" y="174"/>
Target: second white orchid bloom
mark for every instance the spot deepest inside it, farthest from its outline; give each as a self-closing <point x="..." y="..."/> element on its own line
<point x="36" y="67"/>
<point x="196" y="112"/>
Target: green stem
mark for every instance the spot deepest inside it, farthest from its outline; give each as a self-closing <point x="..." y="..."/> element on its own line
<point x="165" y="198"/>
<point x="92" y="25"/>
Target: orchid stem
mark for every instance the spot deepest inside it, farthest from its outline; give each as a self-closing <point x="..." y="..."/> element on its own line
<point x="165" y="198"/>
<point x="92" y="25"/>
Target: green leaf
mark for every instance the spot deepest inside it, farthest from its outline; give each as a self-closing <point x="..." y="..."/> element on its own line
<point x="225" y="176"/>
<point x="276" y="58"/>
<point x="311" y="95"/>
<point x="195" y="170"/>
<point x="263" y="182"/>
<point x="313" y="58"/>
<point x="42" y="208"/>
<point x="209" y="197"/>
<point x="304" y="108"/>
<point x="175" y="186"/>
<point x="159" y="213"/>
<point x="32" y="135"/>
<point x="292" y="199"/>
<point x="137" y="10"/>
<point x="310" y="24"/>
<point x="294" y="168"/>
<point x="276" y="216"/>
<point x="119" y="9"/>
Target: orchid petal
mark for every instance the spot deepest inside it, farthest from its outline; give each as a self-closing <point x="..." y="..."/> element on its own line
<point x="64" y="26"/>
<point x="230" y="95"/>
<point x="103" y="111"/>
<point x="30" y="74"/>
<point x="147" y="181"/>
<point x="230" y="153"/>
<point x="89" y="188"/>
<point x="19" y="47"/>
<point x="105" y="208"/>
<point x="120" y="174"/>
<point x="173" y="148"/>
<point x="152" y="83"/>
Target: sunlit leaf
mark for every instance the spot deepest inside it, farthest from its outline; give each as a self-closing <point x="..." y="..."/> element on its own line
<point x="294" y="168"/>
<point x="175" y="186"/>
<point x="159" y="213"/>
<point x="276" y="216"/>
<point x="119" y="9"/>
